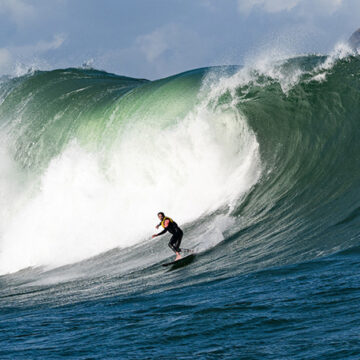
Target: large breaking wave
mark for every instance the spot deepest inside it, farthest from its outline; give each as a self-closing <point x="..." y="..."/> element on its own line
<point x="263" y="159"/>
<point x="90" y="158"/>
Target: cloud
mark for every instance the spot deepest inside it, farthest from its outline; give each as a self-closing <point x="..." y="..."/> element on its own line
<point x="155" y="43"/>
<point x="301" y="6"/>
<point x="209" y="5"/>
<point x="14" y="57"/>
<point x="166" y="50"/>
<point x="6" y="61"/>
<point x="271" y="6"/>
<point x="18" y="10"/>
<point x="41" y="46"/>
<point x="171" y="42"/>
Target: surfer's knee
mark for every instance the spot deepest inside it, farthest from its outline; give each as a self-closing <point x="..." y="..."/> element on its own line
<point x="171" y="246"/>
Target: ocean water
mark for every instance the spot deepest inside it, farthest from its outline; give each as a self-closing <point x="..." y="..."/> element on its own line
<point x="258" y="164"/>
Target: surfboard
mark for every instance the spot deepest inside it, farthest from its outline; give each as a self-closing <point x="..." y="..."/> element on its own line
<point x="181" y="262"/>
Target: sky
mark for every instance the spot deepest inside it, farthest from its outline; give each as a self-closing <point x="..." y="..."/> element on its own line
<point x="157" y="38"/>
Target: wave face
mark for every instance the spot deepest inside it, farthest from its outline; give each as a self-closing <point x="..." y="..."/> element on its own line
<point x="305" y="117"/>
<point x="259" y="162"/>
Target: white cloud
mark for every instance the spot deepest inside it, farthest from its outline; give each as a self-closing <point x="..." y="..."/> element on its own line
<point x="164" y="51"/>
<point x="327" y="6"/>
<point x="41" y="46"/>
<point x="14" y="57"/>
<point x="302" y="6"/>
<point x="155" y="43"/>
<point x="272" y="6"/>
<point x="208" y="4"/>
<point x="5" y="61"/>
<point x="18" y="10"/>
<point x="172" y="42"/>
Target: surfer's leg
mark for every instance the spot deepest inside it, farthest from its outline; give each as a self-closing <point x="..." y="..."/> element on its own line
<point x="171" y="245"/>
<point x="178" y="239"/>
<point x="174" y="244"/>
<point x="177" y="243"/>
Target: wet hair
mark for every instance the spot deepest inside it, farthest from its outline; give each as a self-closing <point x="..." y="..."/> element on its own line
<point x="161" y="213"/>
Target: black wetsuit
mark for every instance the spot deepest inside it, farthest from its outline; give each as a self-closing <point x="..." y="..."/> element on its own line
<point x="176" y="232"/>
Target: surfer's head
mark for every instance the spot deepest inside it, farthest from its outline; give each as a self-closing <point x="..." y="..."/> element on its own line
<point x="161" y="215"/>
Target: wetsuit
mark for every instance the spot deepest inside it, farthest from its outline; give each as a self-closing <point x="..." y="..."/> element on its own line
<point x="176" y="232"/>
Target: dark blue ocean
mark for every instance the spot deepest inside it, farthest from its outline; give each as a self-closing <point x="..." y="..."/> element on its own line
<point x="302" y="311"/>
<point x="260" y="168"/>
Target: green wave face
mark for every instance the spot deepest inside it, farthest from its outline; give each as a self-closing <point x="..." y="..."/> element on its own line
<point x="307" y="128"/>
<point x="262" y="162"/>
<point x="44" y="111"/>
<point x="95" y="156"/>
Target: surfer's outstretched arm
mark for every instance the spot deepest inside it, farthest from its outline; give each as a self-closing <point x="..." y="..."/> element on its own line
<point x="160" y="233"/>
<point x="166" y="224"/>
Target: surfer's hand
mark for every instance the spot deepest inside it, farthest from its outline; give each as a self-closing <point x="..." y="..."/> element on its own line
<point x="157" y="226"/>
<point x="154" y="235"/>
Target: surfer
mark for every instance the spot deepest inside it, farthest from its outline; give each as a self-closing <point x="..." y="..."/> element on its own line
<point x="170" y="225"/>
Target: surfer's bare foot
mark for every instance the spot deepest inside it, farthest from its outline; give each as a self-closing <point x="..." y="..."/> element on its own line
<point x="178" y="256"/>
